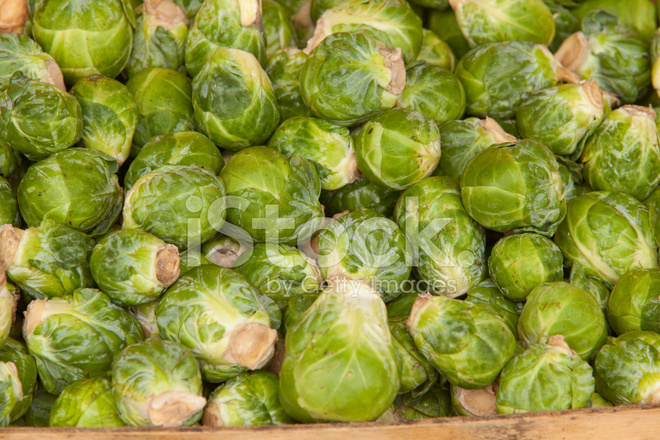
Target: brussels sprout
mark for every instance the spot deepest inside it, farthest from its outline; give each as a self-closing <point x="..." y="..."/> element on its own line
<point x="100" y="30"/>
<point x="157" y="383"/>
<point x="562" y="117"/>
<point x="494" y="21"/>
<point x="77" y="336"/>
<point x="640" y="14"/>
<point x="445" y="25"/>
<point x="348" y="78"/>
<point x="449" y="245"/>
<point x="623" y="153"/>
<point x="329" y="147"/>
<point x="360" y="194"/>
<point x="499" y="77"/>
<point x="487" y="292"/>
<point x="38" y="119"/>
<point x="233" y="24"/>
<point x="466" y="342"/>
<point x="10" y="160"/>
<point x="608" y="233"/>
<point x="86" y="404"/>
<point x="146" y="316"/>
<point x="566" y="23"/>
<point x="8" y="206"/>
<point x="474" y="403"/>
<point x="283" y="69"/>
<point x="520" y="262"/>
<point x="589" y="284"/>
<point x="398" y="148"/>
<point x="298" y="304"/>
<point x="39" y="413"/>
<point x="278" y="28"/>
<point x="545" y="377"/>
<point x="216" y="313"/>
<point x="280" y="271"/>
<point x="515" y="186"/>
<point x="234" y="102"/>
<point x="181" y="148"/>
<point x="363" y="245"/>
<point x="75" y="187"/>
<point x="181" y="204"/>
<point x="433" y="91"/>
<point x="11" y="391"/>
<point x="462" y="140"/>
<point x="19" y="53"/>
<point x="436" y="52"/>
<point x="272" y="198"/>
<point x="611" y="53"/>
<point x="560" y="308"/>
<point x="392" y="22"/>
<point x="51" y="260"/>
<point x="164" y="100"/>
<point x="109" y="115"/>
<point x="250" y="399"/>
<point x="598" y="401"/>
<point x="627" y="368"/>
<point x="160" y="38"/>
<point x="634" y="304"/>
<point x="14" y="353"/>
<point x="133" y="267"/>
<point x="341" y="342"/>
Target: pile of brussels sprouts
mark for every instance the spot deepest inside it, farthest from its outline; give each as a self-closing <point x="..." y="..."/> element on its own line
<point x="254" y="212"/>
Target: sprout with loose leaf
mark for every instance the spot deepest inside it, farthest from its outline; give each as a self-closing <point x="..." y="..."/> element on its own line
<point x="251" y="399"/>
<point x="154" y="266"/>
<point x="13" y="352"/>
<point x="219" y="315"/>
<point x="51" y="260"/>
<point x="559" y="308"/>
<point x="8" y="205"/>
<point x="608" y="233"/>
<point x="234" y="101"/>
<point x="283" y="69"/>
<point x="436" y="52"/>
<point x="360" y="194"/>
<point x="520" y="262"/>
<point x="109" y="114"/>
<point x="77" y="336"/>
<point x="19" y="53"/>
<point x="450" y="246"/>
<point x="278" y="28"/>
<point x="160" y="38"/>
<point x="350" y="77"/>
<point x="157" y="383"/>
<point x="39" y="119"/>
<point x="398" y="148"/>
<point x="462" y="140"/>
<point x="623" y="153"/>
<point x="515" y="186"/>
<point x="88" y="403"/>
<point x="329" y="147"/>
<point x="233" y="24"/>
<point x="545" y="377"/>
<point x="76" y="187"/>
<point x="433" y="91"/>
<point x="562" y="117"/>
<point x="341" y="342"/>
<point x="493" y="21"/>
<point x="466" y="342"/>
<point x="100" y="30"/>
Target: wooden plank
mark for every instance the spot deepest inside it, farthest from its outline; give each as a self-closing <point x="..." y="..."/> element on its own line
<point x="629" y="423"/>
